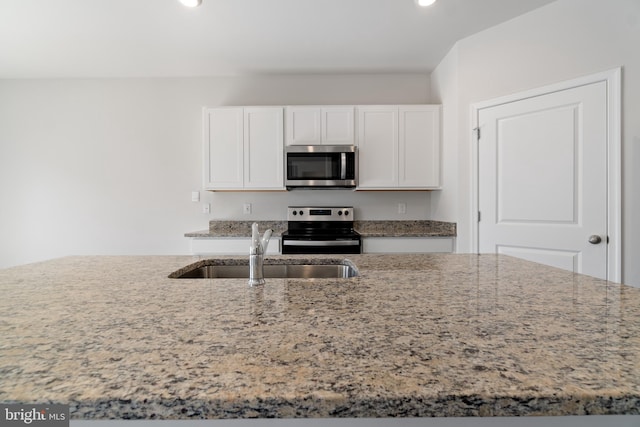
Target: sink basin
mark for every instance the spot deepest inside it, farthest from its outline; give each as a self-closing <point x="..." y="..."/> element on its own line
<point x="213" y="269"/>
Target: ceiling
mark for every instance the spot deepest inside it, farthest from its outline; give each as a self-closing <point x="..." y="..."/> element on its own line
<point x="162" y="38"/>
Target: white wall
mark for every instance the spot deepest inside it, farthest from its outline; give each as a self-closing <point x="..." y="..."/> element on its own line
<point x="561" y="41"/>
<point x="107" y="166"/>
<point x="444" y="82"/>
<point x="368" y="205"/>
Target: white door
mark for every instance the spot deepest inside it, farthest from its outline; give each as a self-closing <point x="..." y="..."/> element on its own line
<point x="263" y="148"/>
<point x="542" y="189"/>
<point x="419" y="146"/>
<point x="337" y="125"/>
<point x="223" y="148"/>
<point x="303" y="125"/>
<point x="377" y="147"/>
<point x="312" y="125"/>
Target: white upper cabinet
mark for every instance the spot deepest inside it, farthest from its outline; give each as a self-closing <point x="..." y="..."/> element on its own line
<point x="419" y="146"/>
<point x="223" y="148"/>
<point x="315" y="125"/>
<point x="263" y="148"/>
<point x="399" y="147"/>
<point x="303" y="126"/>
<point x="337" y="125"/>
<point x="243" y="148"/>
<point x="377" y="147"/>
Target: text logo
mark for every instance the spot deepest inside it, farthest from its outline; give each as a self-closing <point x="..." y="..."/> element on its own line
<point x="34" y="415"/>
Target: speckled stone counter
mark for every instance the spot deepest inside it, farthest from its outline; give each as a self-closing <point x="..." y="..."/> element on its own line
<point x="414" y="335"/>
<point x="222" y="228"/>
<point x="418" y="228"/>
<point x="367" y="228"/>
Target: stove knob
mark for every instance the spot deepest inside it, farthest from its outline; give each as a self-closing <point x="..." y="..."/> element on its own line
<point x="346" y="213"/>
<point x="339" y="213"/>
<point x="301" y="212"/>
<point x="295" y="212"/>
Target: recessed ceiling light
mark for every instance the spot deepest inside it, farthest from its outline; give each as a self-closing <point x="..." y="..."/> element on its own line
<point x="191" y="3"/>
<point x="425" y="3"/>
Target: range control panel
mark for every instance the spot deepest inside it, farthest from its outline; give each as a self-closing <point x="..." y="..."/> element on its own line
<point x="305" y="213"/>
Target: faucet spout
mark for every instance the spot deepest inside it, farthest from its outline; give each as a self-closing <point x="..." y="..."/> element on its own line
<point x="256" y="255"/>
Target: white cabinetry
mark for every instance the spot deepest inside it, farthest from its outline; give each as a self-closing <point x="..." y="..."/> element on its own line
<point x="229" y="246"/>
<point x="223" y="148"/>
<point x="374" y="245"/>
<point x="399" y="147"/>
<point x="377" y="147"/>
<point x="263" y="148"/>
<point x="316" y="125"/>
<point x="243" y="148"/>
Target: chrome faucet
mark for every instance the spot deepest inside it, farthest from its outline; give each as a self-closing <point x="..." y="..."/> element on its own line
<point x="256" y="255"/>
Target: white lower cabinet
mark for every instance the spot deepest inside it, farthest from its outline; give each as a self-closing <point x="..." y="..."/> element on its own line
<point x="374" y="245"/>
<point x="229" y="246"/>
<point x="370" y="245"/>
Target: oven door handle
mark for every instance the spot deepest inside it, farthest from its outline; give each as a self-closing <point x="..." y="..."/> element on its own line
<point x="320" y="242"/>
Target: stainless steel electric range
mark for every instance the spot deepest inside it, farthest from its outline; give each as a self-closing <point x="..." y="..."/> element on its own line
<point x="320" y="230"/>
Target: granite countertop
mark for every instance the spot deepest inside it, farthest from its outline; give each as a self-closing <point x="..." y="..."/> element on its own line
<point x="414" y="335"/>
<point x="367" y="228"/>
<point x="224" y="228"/>
<point x="422" y="228"/>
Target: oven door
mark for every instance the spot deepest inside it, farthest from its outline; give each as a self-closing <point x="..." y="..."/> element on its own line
<point x="328" y="246"/>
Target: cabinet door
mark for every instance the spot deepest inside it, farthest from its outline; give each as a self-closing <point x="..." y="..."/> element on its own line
<point x="315" y="125"/>
<point x="229" y="246"/>
<point x="303" y="125"/>
<point x="263" y="148"/>
<point x="419" y="146"/>
<point x="223" y="148"/>
<point x="378" y="147"/>
<point x="337" y="125"/>
<point x="372" y="245"/>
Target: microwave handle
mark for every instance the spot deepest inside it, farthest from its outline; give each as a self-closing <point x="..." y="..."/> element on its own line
<point x="343" y="166"/>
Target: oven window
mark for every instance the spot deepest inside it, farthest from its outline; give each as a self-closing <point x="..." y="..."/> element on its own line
<point x="313" y="166"/>
<point x="319" y="166"/>
<point x="306" y="250"/>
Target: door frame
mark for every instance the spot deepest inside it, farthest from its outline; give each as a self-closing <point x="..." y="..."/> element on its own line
<point x="613" y="79"/>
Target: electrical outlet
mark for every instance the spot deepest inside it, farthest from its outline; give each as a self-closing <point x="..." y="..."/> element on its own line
<point x="206" y="208"/>
<point x="195" y="196"/>
<point x="246" y="208"/>
<point x="402" y="208"/>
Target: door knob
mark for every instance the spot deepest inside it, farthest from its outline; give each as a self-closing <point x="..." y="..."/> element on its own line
<point x="595" y="239"/>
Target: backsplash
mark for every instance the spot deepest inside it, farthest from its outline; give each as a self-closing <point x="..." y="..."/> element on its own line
<point x="368" y="205"/>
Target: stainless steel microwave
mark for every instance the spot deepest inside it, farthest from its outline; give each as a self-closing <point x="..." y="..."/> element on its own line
<point x="321" y="166"/>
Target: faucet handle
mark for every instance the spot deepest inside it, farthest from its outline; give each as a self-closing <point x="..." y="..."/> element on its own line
<point x="255" y="248"/>
<point x="255" y="233"/>
<point x="265" y="239"/>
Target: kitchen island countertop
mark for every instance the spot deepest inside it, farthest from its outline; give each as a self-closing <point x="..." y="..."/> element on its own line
<point x="430" y="335"/>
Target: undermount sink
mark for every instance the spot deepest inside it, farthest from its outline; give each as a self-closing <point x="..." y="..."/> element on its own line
<point x="215" y="269"/>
